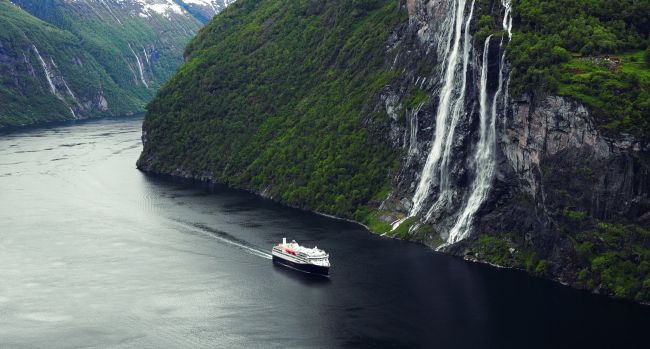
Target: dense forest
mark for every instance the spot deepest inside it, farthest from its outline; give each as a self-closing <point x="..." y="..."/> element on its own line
<point x="270" y="97"/>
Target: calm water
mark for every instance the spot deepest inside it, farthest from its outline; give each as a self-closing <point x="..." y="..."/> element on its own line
<point x="94" y="253"/>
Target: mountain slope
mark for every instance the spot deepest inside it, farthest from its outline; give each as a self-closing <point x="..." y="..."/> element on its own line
<point x="102" y="57"/>
<point x="247" y="81"/>
<point x="399" y="114"/>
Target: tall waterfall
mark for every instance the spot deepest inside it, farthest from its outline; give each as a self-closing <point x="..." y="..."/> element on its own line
<point x="46" y="70"/>
<point x="436" y="172"/>
<point x="140" y="67"/>
<point x="49" y="75"/>
<point x="483" y="158"/>
<point x="451" y="104"/>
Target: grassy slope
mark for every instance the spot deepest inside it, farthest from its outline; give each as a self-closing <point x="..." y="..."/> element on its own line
<point x="547" y="34"/>
<point x="619" y="95"/>
<point x="270" y="99"/>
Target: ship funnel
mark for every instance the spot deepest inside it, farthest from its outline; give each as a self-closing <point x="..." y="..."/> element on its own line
<point x="284" y="241"/>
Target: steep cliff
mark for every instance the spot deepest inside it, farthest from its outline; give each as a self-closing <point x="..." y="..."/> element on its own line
<point x="399" y="114"/>
<point x="89" y="58"/>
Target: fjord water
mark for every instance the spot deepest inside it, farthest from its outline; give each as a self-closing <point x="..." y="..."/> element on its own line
<point x="94" y="253"/>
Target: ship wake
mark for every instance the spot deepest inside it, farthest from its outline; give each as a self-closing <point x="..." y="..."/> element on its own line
<point x="224" y="237"/>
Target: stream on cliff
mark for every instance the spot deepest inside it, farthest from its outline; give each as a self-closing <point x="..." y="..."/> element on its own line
<point x="94" y="253"/>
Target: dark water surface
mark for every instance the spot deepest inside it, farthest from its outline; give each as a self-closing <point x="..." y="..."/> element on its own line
<point x="94" y="253"/>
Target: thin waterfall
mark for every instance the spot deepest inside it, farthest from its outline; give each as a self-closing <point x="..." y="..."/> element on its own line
<point x="485" y="156"/>
<point x="146" y="57"/>
<point x="413" y="133"/>
<point x="46" y="70"/>
<point x="49" y="75"/>
<point x="507" y="18"/>
<point x="140" y="67"/>
<point x="448" y="100"/>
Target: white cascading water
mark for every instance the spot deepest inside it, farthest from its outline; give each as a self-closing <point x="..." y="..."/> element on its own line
<point x="483" y="159"/>
<point x="47" y="71"/>
<point x="49" y="75"/>
<point x="140" y="67"/>
<point x="444" y="196"/>
<point x="485" y="156"/>
<point x="449" y="99"/>
<point x="146" y="57"/>
<point x="451" y="108"/>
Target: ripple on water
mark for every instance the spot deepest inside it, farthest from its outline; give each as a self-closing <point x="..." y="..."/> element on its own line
<point x="45" y="317"/>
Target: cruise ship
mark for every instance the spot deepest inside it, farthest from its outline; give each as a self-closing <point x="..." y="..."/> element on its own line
<point x="309" y="260"/>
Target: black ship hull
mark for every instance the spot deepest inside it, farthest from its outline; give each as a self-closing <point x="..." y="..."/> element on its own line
<point x="306" y="268"/>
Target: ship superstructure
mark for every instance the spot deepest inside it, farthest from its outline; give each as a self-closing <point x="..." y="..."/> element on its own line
<point x="310" y="260"/>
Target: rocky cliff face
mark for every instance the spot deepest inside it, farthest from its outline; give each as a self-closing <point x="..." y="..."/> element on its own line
<point x="551" y="134"/>
<point x="548" y="175"/>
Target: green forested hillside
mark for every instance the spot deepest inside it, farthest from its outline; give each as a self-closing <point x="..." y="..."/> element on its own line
<point x="270" y="99"/>
<point x="590" y="50"/>
<point x="24" y="91"/>
<point x="94" y="60"/>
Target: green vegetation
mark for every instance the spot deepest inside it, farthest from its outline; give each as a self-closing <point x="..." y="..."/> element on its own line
<point x="615" y="258"/>
<point x="271" y="99"/>
<point x="574" y="215"/>
<point x="619" y="93"/>
<point x="505" y="249"/>
<point x="554" y="46"/>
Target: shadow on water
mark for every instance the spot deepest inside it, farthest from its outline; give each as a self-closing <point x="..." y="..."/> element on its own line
<point x="302" y="277"/>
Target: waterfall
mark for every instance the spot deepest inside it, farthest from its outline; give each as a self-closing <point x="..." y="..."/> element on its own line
<point x="448" y="104"/>
<point x="507" y="18"/>
<point x="483" y="159"/>
<point x="48" y="73"/>
<point x="146" y="56"/>
<point x="437" y="173"/>
<point x="140" y="67"/>
<point x="444" y="195"/>
<point x="485" y="156"/>
<point x="413" y="133"/>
